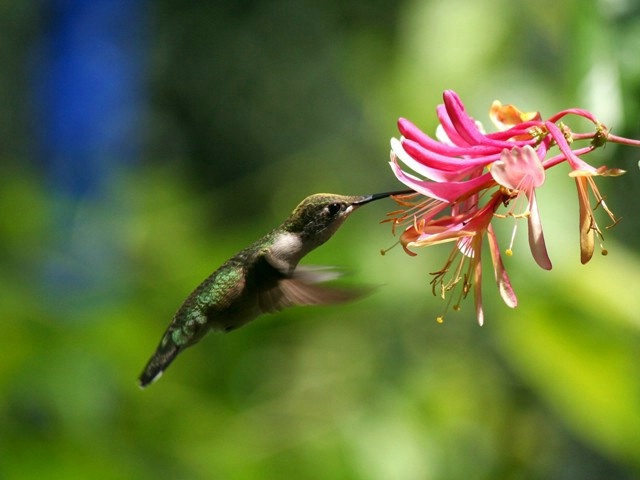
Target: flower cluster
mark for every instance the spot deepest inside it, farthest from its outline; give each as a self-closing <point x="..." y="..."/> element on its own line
<point x="464" y="177"/>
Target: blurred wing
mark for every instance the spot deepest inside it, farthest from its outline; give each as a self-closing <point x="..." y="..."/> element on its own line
<point x="303" y="287"/>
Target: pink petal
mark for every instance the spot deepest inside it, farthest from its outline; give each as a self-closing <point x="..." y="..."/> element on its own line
<point x="449" y="192"/>
<point x="443" y="162"/>
<point x="462" y="123"/>
<point x="519" y="130"/>
<point x="417" y="162"/>
<point x="411" y="132"/>
<point x="536" y="237"/>
<point x="519" y="169"/>
<point x="575" y="163"/>
<point x="465" y="126"/>
<point x="398" y="150"/>
<point x="450" y="129"/>
<point x="502" y="279"/>
<point x="507" y="135"/>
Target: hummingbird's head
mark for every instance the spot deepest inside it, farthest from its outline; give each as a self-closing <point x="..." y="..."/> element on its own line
<point x="319" y="216"/>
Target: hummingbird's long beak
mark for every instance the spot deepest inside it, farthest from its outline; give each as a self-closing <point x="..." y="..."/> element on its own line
<point x="378" y="196"/>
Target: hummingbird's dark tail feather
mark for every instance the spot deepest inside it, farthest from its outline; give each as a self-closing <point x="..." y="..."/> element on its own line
<point x="159" y="362"/>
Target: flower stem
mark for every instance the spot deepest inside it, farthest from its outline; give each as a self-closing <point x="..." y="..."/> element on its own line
<point x="623" y="140"/>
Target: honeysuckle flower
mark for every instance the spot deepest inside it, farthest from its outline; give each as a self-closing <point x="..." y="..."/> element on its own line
<point x="464" y="176"/>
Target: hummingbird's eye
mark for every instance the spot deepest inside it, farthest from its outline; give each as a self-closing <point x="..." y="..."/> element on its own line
<point x="333" y="208"/>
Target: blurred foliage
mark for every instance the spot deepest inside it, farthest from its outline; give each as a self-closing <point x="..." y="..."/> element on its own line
<point x="251" y="106"/>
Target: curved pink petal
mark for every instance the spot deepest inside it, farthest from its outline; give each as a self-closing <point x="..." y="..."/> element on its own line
<point x="520" y="130"/>
<point x="410" y="132"/>
<point x="450" y="129"/>
<point x="536" y="237"/>
<point x="449" y="192"/>
<point x="443" y="162"/>
<point x="465" y="126"/>
<point x="502" y="279"/>
<point x="398" y="149"/>
<point x="575" y="162"/>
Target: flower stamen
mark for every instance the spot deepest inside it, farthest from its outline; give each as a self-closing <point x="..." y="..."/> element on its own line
<point x="444" y="280"/>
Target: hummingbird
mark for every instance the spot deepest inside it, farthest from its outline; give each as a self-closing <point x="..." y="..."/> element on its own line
<point x="263" y="278"/>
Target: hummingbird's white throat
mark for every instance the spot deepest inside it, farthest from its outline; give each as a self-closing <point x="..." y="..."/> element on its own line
<point x="285" y="248"/>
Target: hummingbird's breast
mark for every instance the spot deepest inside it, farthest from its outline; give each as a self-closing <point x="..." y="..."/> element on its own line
<point x="286" y="251"/>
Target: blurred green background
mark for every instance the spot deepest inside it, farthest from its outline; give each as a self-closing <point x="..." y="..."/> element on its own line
<point x="145" y="142"/>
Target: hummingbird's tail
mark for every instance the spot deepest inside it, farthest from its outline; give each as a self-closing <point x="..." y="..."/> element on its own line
<point x="166" y="352"/>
